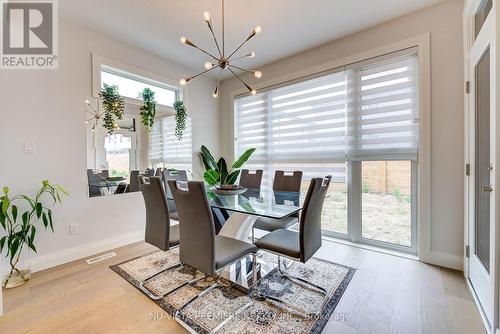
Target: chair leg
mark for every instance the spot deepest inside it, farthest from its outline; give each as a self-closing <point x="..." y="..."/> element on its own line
<point x="144" y="281"/>
<point x="253" y="235"/>
<point x="301" y="280"/>
<point x="305" y="284"/>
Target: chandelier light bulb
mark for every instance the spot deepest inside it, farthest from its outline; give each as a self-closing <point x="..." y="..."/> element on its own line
<point x="86" y="122"/>
<point x="183" y="40"/>
<point x="252" y="54"/>
<point x="257" y="30"/>
<point x="253" y="92"/>
<point x="257" y="74"/>
<point x="216" y="92"/>
<point x="208" y="65"/>
<point x="183" y="82"/>
<point x="206" y="16"/>
<point x="87" y="101"/>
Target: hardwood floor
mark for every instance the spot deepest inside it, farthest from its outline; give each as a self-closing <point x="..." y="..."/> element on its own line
<point x="388" y="294"/>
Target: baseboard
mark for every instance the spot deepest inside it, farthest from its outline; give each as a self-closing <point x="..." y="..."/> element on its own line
<point x="55" y="259"/>
<point x="447" y="260"/>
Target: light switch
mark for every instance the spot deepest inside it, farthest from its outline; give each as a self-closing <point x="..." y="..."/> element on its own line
<point x="29" y="147"/>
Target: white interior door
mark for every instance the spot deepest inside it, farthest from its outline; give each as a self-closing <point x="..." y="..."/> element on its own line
<point x="482" y="160"/>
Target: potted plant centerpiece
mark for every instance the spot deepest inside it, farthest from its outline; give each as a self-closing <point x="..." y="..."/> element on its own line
<point x="18" y="217"/>
<point x="219" y="176"/>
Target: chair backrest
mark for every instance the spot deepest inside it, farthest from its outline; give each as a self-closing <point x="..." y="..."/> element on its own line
<point x="251" y="179"/>
<point x="121" y="188"/>
<point x="149" y="172"/>
<point x="284" y="182"/>
<point x="93" y="179"/>
<point x="134" y="181"/>
<point x="158" y="171"/>
<point x="196" y="224"/>
<point x="104" y="173"/>
<point x="157" y="217"/>
<point x="173" y="174"/>
<point x="310" y="218"/>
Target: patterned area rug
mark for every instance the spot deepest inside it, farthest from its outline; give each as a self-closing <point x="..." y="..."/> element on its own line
<point x="226" y="307"/>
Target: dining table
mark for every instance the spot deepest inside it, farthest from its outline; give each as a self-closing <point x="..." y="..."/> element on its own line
<point x="235" y="215"/>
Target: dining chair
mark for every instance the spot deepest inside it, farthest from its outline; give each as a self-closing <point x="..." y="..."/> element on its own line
<point x="159" y="231"/>
<point x="300" y="246"/>
<point x="134" y="181"/>
<point x="282" y="183"/>
<point x="251" y="179"/>
<point x="177" y="175"/>
<point x="199" y="246"/>
<point x="158" y="171"/>
<point x="104" y="173"/>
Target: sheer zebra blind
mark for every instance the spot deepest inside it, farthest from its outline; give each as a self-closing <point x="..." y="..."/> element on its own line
<point x="164" y="147"/>
<point x="364" y="111"/>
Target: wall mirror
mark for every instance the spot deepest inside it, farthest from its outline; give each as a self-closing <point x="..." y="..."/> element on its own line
<point x="116" y="160"/>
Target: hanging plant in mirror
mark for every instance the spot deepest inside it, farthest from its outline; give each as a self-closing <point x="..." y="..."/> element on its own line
<point x="180" y="119"/>
<point x="113" y="105"/>
<point x="148" y="110"/>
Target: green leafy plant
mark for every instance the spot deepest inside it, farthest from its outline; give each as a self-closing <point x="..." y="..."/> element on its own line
<point x="217" y="173"/>
<point x="113" y="105"/>
<point x="397" y="194"/>
<point x="180" y="119"/>
<point x="148" y="110"/>
<point x="21" y="233"/>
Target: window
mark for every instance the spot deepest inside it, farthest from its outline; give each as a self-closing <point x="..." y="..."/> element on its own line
<point x="131" y="81"/>
<point x="165" y="150"/>
<point x="348" y="124"/>
<point x="131" y="88"/>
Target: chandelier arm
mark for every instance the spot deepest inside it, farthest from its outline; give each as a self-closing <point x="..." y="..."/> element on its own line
<point x="239" y="47"/>
<point x="205" y="52"/>
<point x="201" y="73"/>
<point x="243" y="82"/>
<point x="215" y="39"/>
<point x="241" y="69"/>
<point x="241" y="57"/>
<point x="216" y="91"/>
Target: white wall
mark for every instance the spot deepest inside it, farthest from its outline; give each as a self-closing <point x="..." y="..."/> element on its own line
<point x="444" y="22"/>
<point x="47" y="107"/>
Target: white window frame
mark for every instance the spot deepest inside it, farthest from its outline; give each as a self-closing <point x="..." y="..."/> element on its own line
<point x="422" y="210"/>
<point x="134" y="73"/>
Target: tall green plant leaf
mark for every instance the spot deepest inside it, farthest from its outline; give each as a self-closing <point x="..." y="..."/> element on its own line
<point x="222" y="170"/>
<point x="211" y="177"/>
<point x="210" y="160"/>
<point x="14" y="213"/>
<point x="232" y="177"/>
<point x="243" y="158"/>
<point x="2" y="243"/>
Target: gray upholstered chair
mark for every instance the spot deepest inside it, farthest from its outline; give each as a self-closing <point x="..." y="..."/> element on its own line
<point x="158" y="171"/>
<point x="134" y="181"/>
<point x="251" y="179"/>
<point x="159" y="232"/>
<point x="302" y="245"/>
<point x="177" y="175"/>
<point x="282" y="182"/>
<point x="199" y="246"/>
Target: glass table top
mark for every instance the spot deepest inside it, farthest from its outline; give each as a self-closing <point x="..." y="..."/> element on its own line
<point x="263" y="203"/>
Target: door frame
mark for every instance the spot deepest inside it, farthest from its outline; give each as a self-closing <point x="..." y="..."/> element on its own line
<point x="470" y="9"/>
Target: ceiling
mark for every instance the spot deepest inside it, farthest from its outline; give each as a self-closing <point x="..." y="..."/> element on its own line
<point x="288" y="26"/>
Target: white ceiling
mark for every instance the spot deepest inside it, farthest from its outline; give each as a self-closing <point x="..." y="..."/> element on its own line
<point x="289" y="26"/>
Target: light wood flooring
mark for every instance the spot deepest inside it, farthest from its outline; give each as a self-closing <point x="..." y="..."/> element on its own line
<point x="388" y="294"/>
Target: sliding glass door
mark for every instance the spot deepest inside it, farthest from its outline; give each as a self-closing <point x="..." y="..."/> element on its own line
<point x="359" y="124"/>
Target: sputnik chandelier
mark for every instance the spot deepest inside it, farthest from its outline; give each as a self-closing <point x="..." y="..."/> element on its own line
<point x="223" y="61"/>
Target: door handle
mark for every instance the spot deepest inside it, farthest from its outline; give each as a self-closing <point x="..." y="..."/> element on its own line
<point x="487" y="189"/>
